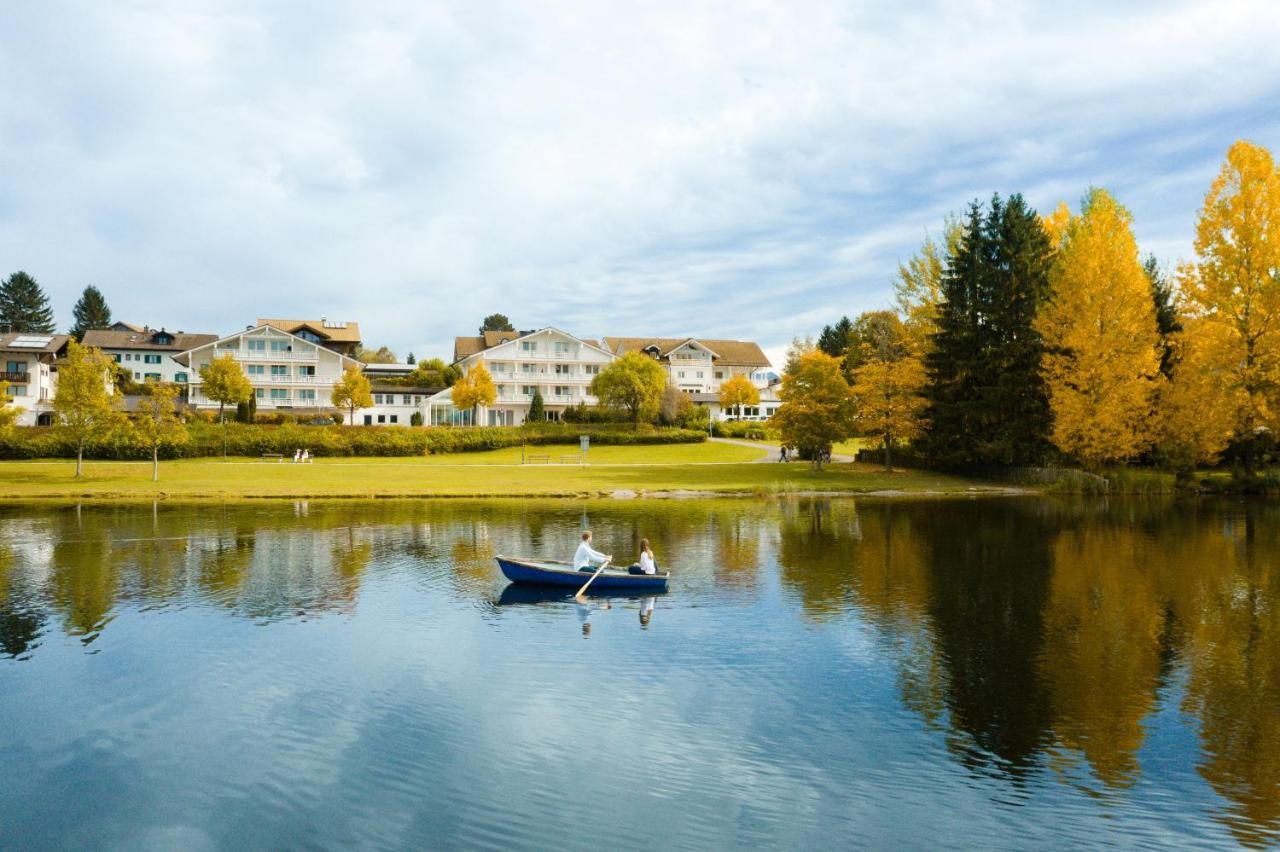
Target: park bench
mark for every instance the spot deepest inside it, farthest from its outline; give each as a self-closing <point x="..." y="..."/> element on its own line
<point x="277" y="456"/>
<point x="537" y="459"/>
<point x="576" y="458"/>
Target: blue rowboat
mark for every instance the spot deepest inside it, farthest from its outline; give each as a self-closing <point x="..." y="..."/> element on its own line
<point x="549" y="572"/>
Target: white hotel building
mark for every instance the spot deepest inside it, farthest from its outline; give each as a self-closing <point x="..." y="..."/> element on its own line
<point x="289" y="372"/>
<point x="699" y="366"/>
<point x="28" y="366"/>
<point x="550" y="361"/>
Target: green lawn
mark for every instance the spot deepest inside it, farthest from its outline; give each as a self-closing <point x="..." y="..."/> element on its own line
<point x="691" y="467"/>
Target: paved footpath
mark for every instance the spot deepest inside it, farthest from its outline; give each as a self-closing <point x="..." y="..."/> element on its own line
<point x="774" y="452"/>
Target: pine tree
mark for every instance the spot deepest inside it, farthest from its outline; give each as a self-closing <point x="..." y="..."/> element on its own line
<point x="1167" y="323"/>
<point x="537" y="409"/>
<point x="24" y="306"/>
<point x="90" y="312"/>
<point x="834" y="339"/>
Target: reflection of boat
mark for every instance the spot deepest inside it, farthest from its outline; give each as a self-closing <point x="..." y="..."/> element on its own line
<point x="549" y="572"/>
<point x="517" y="594"/>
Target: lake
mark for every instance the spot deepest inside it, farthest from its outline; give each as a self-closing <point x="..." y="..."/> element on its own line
<point x="1025" y="673"/>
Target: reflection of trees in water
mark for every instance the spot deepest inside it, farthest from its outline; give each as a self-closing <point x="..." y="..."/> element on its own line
<point x="20" y="621"/>
<point x="818" y="551"/>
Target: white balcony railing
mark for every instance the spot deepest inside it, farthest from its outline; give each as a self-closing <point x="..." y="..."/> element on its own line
<point x="293" y="355"/>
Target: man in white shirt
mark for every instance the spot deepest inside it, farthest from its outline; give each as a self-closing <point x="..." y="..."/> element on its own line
<point x="585" y="558"/>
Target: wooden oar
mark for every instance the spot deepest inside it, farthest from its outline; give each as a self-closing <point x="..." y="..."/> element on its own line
<point x="578" y="596"/>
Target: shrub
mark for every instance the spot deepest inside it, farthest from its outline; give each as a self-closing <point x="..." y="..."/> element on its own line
<point x="751" y="431"/>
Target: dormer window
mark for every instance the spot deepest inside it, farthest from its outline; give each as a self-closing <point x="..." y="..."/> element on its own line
<point x="162" y="339"/>
<point x="309" y="336"/>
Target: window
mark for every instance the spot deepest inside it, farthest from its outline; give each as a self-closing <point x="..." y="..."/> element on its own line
<point x="499" y="367"/>
<point x="117" y="357"/>
<point x="307" y="370"/>
<point x="719" y="374"/>
<point x="563" y="390"/>
<point x="163" y="340"/>
<point x="152" y="377"/>
<point x="591" y="369"/>
<point x="407" y="399"/>
<point x="564" y="369"/>
<point x="16" y="390"/>
<point x="382" y="418"/>
<point x="229" y="344"/>
<point x="21" y="366"/>
<point x="279" y="395"/>
<point x="528" y="390"/>
<point x="137" y="377"/>
<point x="281" y="346"/>
<point x="699" y="374"/>
<point x="256" y="369"/>
<point x="377" y="399"/>
<point x="306" y="334"/>
<point x="368" y="420"/>
<point x="681" y="374"/>
<point x="128" y="356"/>
<point x="529" y="346"/>
<point x="180" y="378"/>
<point x="528" y="368"/>
<point x="151" y="359"/>
<point x="307" y="395"/>
<point x="256" y="344"/>
<point x="395" y="418"/>
<point x="279" y="371"/>
<point x="562" y="347"/>
<point x="259" y="393"/>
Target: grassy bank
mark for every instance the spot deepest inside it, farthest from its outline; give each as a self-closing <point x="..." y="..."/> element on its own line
<point x="618" y="471"/>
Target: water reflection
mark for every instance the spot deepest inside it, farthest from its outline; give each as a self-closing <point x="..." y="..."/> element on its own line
<point x="1035" y="639"/>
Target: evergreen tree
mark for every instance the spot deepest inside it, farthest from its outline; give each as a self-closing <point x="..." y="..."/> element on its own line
<point x="537" y="411"/>
<point x="24" y="306"/>
<point x="90" y="312"/>
<point x="1167" y="322"/>
<point x="496" y="322"/>
<point x="834" y="339"/>
<point x="411" y="359"/>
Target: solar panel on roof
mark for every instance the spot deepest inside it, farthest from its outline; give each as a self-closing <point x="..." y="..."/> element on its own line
<point x="334" y="324"/>
<point x="31" y="342"/>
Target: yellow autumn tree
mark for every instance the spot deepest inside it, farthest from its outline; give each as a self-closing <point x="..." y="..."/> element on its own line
<point x="8" y="413"/>
<point x="1197" y="406"/>
<point x="736" y="392"/>
<point x="473" y="390"/>
<point x="817" y="407"/>
<point x="352" y="391"/>
<point x="917" y="286"/>
<point x="890" y="404"/>
<point x="1101" y="362"/>
<point x="1234" y="285"/>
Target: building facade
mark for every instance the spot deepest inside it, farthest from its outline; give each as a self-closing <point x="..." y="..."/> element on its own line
<point x="287" y="371"/>
<point x="28" y="366"/>
<point x="338" y="336"/>
<point x="547" y="361"/>
<point x="699" y="366"/>
<point x="147" y="355"/>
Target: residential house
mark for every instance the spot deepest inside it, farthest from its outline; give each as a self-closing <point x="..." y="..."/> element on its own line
<point x="699" y="366"/>
<point x="29" y="363"/>
<point x="147" y="355"/>
<point x="287" y="371"/>
<point x="335" y="335"/>
<point x="550" y="361"/>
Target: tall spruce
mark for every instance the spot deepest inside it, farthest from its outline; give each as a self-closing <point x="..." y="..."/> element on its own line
<point x="834" y="339"/>
<point x="1167" y="322"/>
<point x="90" y="312"/>
<point x="987" y="400"/>
<point x="24" y="306"/>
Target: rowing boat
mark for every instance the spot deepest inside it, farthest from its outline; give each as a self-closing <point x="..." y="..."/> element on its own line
<point x="549" y="572"/>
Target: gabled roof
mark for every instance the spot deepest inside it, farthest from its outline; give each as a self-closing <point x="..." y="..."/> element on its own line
<point x="25" y="341"/>
<point x="730" y="353"/>
<point x="465" y="347"/>
<point x="109" y="339"/>
<point x="184" y="357"/>
<point x="121" y="325"/>
<point x="337" y="331"/>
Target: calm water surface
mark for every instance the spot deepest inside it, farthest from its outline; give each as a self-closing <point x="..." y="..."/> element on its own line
<point x="1025" y="673"/>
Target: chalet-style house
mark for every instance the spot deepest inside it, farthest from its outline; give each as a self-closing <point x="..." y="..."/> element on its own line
<point x="147" y="354"/>
<point x="30" y="371"/>
<point x="335" y="335"/>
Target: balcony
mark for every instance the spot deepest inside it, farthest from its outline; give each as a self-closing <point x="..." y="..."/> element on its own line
<point x="16" y="377"/>
<point x="246" y="355"/>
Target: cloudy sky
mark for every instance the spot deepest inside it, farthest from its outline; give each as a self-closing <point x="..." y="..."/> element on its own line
<point x="722" y="169"/>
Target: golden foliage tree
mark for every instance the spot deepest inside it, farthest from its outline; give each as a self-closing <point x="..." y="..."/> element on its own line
<point x="890" y="401"/>
<point x="225" y="383"/>
<point x="1234" y="285"/>
<point x="352" y="391"/>
<point x="917" y="285"/>
<point x="88" y="409"/>
<point x="1102" y="357"/>
<point x="736" y="392"/>
<point x="8" y="412"/>
<point x="474" y="389"/>
<point x="817" y="407"/>
<point x="1197" y="407"/>
<point x="158" y="423"/>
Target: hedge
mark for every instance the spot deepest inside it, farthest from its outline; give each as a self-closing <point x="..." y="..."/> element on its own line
<point x="205" y="439"/>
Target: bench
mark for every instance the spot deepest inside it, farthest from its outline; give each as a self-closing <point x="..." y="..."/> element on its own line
<point x="541" y="459"/>
<point x="277" y="456"/>
<point x="576" y="458"/>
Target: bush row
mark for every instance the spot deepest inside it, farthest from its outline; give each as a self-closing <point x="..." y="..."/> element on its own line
<point x="206" y="439"/>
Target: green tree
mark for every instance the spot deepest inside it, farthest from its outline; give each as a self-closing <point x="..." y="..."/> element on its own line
<point x="24" y="306"/>
<point x="90" y="312"/>
<point x="634" y="384"/>
<point x="1168" y="324"/>
<point x="537" y="412"/>
<point x="157" y="423"/>
<point x="988" y="402"/>
<point x="352" y="391"/>
<point x="84" y="402"/>
<point x="225" y="383"/>
<point x="496" y="322"/>
<point x="381" y="355"/>
<point x="834" y="339"/>
<point x="410" y="359"/>
<point x="817" y="408"/>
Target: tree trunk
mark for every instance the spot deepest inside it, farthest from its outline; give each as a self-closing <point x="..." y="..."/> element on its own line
<point x="352" y="417"/>
<point x="888" y="450"/>
<point x="79" y="458"/>
<point x="155" y="464"/>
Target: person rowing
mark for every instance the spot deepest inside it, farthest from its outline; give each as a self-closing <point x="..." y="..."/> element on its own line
<point x="587" y="558"/>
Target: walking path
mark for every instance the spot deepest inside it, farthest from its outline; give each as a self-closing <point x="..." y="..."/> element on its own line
<point x="773" y="453"/>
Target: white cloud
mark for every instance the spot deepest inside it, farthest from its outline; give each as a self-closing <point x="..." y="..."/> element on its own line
<point x="744" y="169"/>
